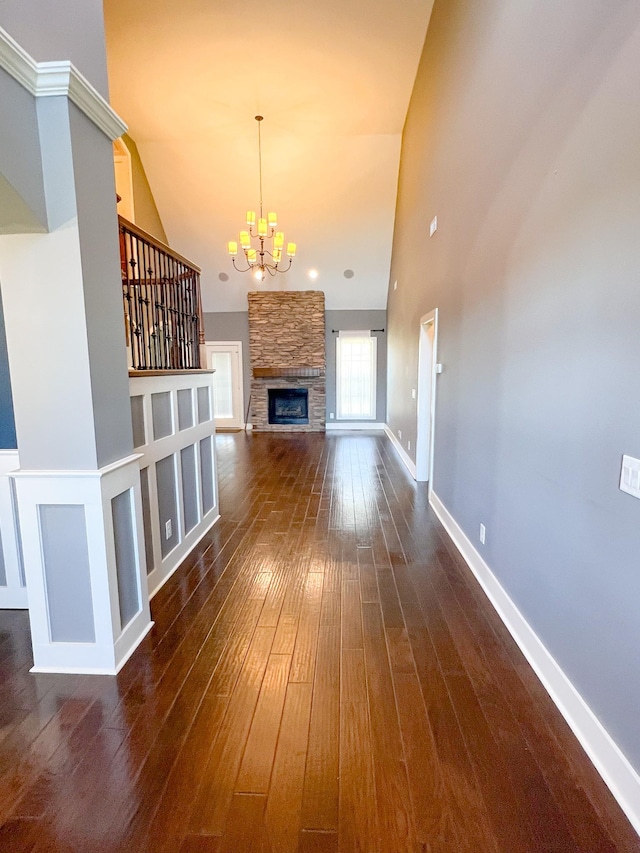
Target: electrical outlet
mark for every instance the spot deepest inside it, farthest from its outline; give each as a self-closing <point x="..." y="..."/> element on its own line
<point x="399" y="433"/>
<point x="168" y="529"/>
<point x="630" y="476"/>
<point x="433" y="227"/>
<point x="483" y="534"/>
<point x="413" y="393"/>
<point x="332" y="415"/>
<point x="409" y="444"/>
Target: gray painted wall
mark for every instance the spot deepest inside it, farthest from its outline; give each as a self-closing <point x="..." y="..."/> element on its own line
<point x="234" y="326"/>
<point x="8" y="439"/>
<point x="64" y="29"/>
<point x="522" y="137"/>
<point x="22" y="197"/>
<point x="356" y="320"/>
<point x="98" y="230"/>
<point x="71" y="400"/>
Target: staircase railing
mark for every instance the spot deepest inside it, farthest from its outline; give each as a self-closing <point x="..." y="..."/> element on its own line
<point x="162" y="303"/>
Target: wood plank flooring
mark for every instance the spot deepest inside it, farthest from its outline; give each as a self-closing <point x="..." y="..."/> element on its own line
<point x="324" y="675"/>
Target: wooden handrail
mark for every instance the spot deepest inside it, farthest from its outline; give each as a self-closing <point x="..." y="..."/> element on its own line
<point x="149" y="238"/>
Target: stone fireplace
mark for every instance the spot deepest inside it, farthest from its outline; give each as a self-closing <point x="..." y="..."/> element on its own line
<point x="286" y="331"/>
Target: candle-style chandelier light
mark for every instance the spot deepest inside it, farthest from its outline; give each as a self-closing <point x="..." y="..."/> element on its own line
<point x="260" y="259"/>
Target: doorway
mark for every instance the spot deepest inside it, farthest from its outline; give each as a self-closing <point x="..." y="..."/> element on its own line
<point x="427" y="368"/>
<point x="225" y="357"/>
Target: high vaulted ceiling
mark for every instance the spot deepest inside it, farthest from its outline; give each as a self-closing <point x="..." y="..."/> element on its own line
<point x="332" y="79"/>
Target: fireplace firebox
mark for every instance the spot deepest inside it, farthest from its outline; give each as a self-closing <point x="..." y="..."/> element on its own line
<point x="288" y="405"/>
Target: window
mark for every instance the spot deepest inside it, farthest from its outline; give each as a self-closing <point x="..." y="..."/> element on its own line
<point x="356" y="376"/>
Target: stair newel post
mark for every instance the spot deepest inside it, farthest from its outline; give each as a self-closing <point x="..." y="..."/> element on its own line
<point x="202" y="353"/>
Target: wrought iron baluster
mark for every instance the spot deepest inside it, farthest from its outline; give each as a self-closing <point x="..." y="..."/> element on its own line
<point x="162" y="306"/>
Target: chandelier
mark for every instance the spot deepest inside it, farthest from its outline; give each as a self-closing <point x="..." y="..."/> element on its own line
<point x="260" y="259"/>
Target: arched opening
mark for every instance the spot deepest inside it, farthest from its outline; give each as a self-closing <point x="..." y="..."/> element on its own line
<point x="124" y="179"/>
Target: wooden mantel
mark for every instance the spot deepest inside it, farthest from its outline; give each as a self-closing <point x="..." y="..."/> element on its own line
<point x="294" y="371"/>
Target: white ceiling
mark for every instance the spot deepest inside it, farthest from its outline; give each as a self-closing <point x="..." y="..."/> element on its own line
<point x="332" y="79"/>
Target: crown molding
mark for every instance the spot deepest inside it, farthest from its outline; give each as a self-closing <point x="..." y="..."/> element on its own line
<point x="16" y="61"/>
<point x="63" y="78"/>
<point x="58" y="79"/>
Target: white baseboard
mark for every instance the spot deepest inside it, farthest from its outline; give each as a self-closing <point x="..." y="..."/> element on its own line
<point x="366" y="425"/>
<point x="409" y="464"/>
<point x="608" y="759"/>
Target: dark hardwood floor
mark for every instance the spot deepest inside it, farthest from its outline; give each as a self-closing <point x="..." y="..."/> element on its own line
<point x="324" y="675"/>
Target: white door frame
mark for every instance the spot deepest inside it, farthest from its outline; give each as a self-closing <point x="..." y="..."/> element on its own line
<point x="237" y="421"/>
<point x="427" y="371"/>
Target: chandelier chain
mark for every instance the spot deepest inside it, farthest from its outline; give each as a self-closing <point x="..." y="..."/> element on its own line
<point x="259" y="120"/>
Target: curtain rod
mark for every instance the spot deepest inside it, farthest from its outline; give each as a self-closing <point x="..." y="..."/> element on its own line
<point x="337" y="331"/>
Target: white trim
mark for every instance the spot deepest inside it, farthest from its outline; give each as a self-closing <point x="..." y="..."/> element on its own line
<point x="189" y="543"/>
<point x="171" y="446"/>
<point x="90" y="473"/>
<point x="63" y="78"/>
<point x="94" y="491"/>
<point x="124" y="179"/>
<point x="15" y="60"/>
<point x="354" y="425"/>
<point x="74" y="670"/>
<point x="426" y="402"/>
<point x="14" y="594"/>
<point x="618" y="774"/>
<point x="402" y="453"/>
<point x="58" y="79"/>
<point x="234" y="348"/>
<point x="345" y="335"/>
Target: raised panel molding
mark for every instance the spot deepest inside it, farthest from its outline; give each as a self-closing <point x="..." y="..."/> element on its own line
<point x="93" y="490"/>
<point x="58" y="79"/>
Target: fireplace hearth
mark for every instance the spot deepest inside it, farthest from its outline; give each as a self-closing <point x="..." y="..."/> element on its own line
<point x="288" y="405"/>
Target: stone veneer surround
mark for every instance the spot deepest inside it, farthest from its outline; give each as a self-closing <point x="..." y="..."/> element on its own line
<point x="286" y="330"/>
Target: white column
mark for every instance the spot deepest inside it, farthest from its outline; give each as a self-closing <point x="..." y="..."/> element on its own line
<point x="83" y="553"/>
<point x="77" y="490"/>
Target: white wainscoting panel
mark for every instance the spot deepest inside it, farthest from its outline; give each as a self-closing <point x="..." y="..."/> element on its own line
<point x="108" y="643"/>
<point x="153" y="451"/>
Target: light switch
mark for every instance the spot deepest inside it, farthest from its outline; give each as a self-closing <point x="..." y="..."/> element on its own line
<point x="630" y="476"/>
<point x="413" y="393"/>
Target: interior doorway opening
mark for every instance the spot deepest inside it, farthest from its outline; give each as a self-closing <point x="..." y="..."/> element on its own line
<point x="124" y="179"/>
<point x="427" y="369"/>
<point x="225" y="357"/>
